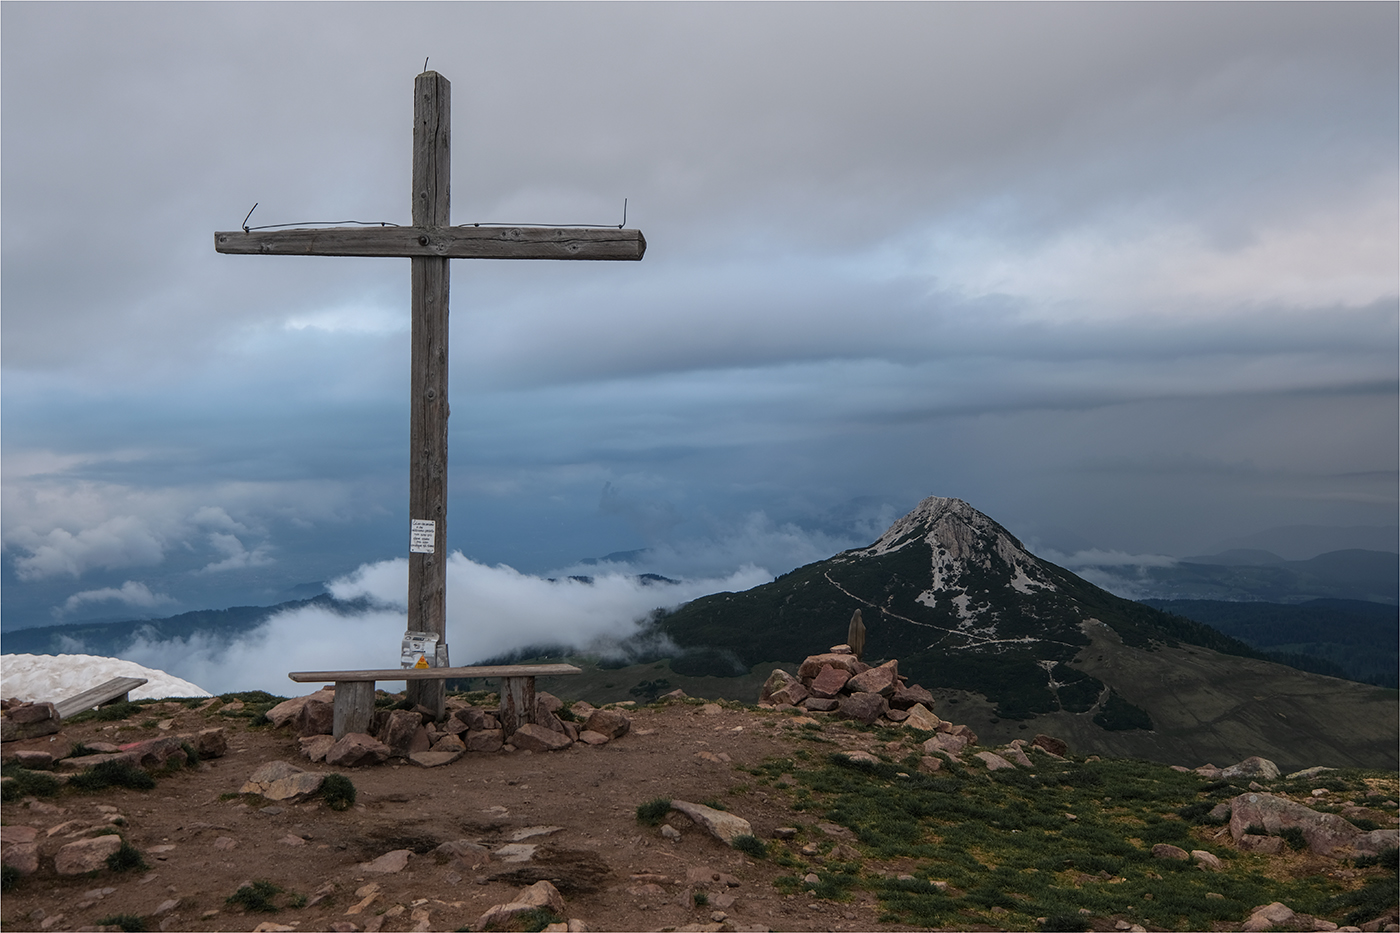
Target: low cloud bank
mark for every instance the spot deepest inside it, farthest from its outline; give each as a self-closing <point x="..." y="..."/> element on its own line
<point x="1122" y="574"/>
<point x="491" y="611"/>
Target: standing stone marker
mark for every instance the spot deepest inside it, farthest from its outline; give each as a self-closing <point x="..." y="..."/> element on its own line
<point x="429" y="243"/>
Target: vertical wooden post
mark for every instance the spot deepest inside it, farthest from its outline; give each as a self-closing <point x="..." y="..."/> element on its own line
<point x="353" y="708"/>
<point x="517" y="703"/>
<point x="427" y="484"/>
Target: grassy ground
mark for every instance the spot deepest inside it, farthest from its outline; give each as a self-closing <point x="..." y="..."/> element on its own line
<point x="1055" y="848"/>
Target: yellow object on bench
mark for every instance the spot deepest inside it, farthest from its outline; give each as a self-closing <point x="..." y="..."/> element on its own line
<point x="354" y="690"/>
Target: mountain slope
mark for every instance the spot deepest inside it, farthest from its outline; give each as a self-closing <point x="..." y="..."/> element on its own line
<point x="963" y="606"/>
<point x="1343" y="637"/>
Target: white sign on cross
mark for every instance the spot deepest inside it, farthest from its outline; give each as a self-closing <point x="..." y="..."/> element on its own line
<point x="430" y="242"/>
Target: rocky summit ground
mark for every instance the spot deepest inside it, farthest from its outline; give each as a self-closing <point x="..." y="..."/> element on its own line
<point x="518" y="817"/>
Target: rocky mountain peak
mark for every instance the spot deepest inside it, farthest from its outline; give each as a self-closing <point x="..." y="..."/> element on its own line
<point x="960" y="538"/>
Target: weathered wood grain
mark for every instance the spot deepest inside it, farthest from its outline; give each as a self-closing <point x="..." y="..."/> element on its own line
<point x="438" y="673"/>
<point x="353" y="709"/>
<point x="427" y="430"/>
<point x="110" y="692"/>
<point x="439" y="242"/>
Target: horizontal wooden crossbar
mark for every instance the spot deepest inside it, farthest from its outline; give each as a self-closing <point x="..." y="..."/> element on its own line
<point x="439" y="242"/>
<point x="115" y="689"/>
<point x="436" y="673"/>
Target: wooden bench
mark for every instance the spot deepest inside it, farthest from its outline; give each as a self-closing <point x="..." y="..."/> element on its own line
<point x="113" y="691"/>
<point x="354" y="690"/>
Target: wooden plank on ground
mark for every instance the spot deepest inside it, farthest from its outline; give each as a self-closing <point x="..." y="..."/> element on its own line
<point x="116" y="688"/>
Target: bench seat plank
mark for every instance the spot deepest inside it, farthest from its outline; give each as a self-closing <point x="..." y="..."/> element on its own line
<point x="115" y="689"/>
<point x="436" y="673"/>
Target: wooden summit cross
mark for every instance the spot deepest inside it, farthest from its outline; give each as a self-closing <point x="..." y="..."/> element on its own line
<point x="430" y="242"/>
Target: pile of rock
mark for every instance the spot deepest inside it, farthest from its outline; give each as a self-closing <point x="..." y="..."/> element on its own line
<point x="414" y="734"/>
<point x="23" y="720"/>
<point x="841" y="684"/>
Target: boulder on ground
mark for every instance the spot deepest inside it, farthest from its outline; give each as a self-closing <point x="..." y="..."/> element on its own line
<point x="478" y="720"/>
<point x="610" y="722"/>
<point x="541" y="894"/>
<point x="208" y="743"/>
<point x="485" y="740"/>
<point x="882" y="680"/>
<point x="820" y="704"/>
<point x="993" y="761"/>
<point x="1324" y="832"/>
<point x="1052" y="745"/>
<point x="776" y="681"/>
<point x="315" y="717"/>
<point x="792" y="694"/>
<point x="156" y="753"/>
<point x="725" y="827"/>
<point x="946" y="743"/>
<point x="85" y="855"/>
<point x="829" y="682"/>
<point x="314" y="747"/>
<point x="1168" y="851"/>
<point x="532" y="737"/>
<point x="919" y="717"/>
<point x="1015" y="755"/>
<point x="863" y="707"/>
<point x="1268" y="917"/>
<point x="284" y="712"/>
<point x="400" y="732"/>
<point x="1255" y="768"/>
<point x="905" y="696"/>
<point x="355" y="749"/>
<point x="813" y="665"/>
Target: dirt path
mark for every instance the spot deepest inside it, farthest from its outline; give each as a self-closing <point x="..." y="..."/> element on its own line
<point x="620" y="875"/>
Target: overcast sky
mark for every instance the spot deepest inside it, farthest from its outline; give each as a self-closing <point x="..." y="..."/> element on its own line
<point x="1124" y="277"/>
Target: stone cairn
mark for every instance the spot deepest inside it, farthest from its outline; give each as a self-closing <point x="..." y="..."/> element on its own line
<point x="415" y="735"/>
<point x="839" y="684"/>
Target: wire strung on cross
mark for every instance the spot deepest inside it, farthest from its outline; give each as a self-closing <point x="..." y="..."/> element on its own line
<point x="389" y="223"/>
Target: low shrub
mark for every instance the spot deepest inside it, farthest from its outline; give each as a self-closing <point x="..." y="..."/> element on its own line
<point x="127" y="858"/>
<point x="1293" y="835"/>
<point x="751" y="845"/>
<point x="338" y="791"/>
<point x="258" y="896"/>
<point x="9" y="877"/>
<point x="112" y="773"/>
<point x="653" y="811"/>
<point x="128" y="923"/>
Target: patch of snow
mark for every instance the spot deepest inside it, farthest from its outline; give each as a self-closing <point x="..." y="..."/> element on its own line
<point x="1022" y="583"/>
<point x="961" y="602"/>
<point x="51" y="678"/>
<point x="927" y="598"/>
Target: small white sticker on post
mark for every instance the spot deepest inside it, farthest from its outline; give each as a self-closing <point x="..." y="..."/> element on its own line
<point x="422" y="533"/>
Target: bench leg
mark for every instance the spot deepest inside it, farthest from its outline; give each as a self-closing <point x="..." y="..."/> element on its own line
<point x="354" y="707"/>
<point x="431" y="694"/>
<point x="517" y="703"/>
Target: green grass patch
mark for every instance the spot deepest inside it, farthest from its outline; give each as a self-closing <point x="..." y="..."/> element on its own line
<point x="112" y="712"/>
<point x="111" y="773"/>
<point x="256" y="897"/>
<point x="127" y="858"/>
<point x="21" y="782"/>
<point x="653" y="811"/>
<point x="750" y="845"/>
